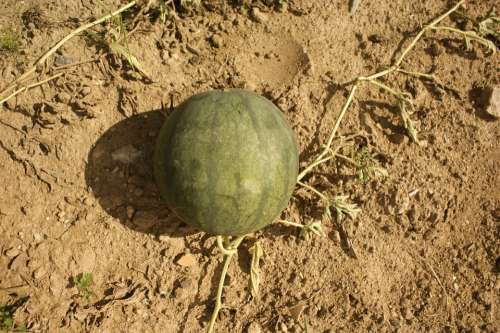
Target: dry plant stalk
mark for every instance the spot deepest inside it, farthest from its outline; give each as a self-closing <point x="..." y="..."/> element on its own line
<point x="228" y="248"/>
<point x="41" y="61"/>
<point x="30" y="86"/>
<point x="404" y="99"/>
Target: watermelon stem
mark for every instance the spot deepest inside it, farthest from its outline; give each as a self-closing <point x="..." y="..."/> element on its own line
<point x="228" y="248"/>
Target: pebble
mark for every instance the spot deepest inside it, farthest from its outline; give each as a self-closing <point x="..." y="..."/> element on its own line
<point x="216" y="41"/>
<point x="61" y="60"/>
<point x="126" y="154"/>
<point x="496" y="213"/>
<point x="376" y="38"/>
<point x="283" y="328"/>
<point x="258" y="16"/>
<point x="39" y="273"/>
<point x="336" y="236"/>
<point x="10" y="104"/>
<point x="296" y="311"/>
<point x="435" y="49"/>
<point x="13" y="252"/>
<point x="186" y="260"/>
<point x="63" y="97"/>
<point x="130" y="212"/>
<point x="38" y="237"/>
<point x="185" y="287"/>
<point x="493" y="104"/>
<point x="85" y="91"/>
<point x="398" y="138"/>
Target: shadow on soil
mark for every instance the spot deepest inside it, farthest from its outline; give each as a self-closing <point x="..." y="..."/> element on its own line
<point x="119" y="172"/>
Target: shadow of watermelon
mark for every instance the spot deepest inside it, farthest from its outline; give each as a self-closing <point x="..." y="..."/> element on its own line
<point x="119" y="173"/>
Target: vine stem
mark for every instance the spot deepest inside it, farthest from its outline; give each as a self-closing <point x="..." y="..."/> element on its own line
<point x="75" y="32"/>
<point x="331" y="137"/>
<point x="410" y="47"/>
<point x="25" y="88"/>
<point x="372" y="79"/>
<point x="229" y="251"/>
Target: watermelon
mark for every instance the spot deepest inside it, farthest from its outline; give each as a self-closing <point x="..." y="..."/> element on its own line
<point x="226" y="162"/>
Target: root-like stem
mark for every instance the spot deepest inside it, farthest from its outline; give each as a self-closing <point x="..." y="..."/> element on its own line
<point x="229" y="249"/>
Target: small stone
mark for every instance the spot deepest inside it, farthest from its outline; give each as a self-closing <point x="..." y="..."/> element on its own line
<point x="13" y="252"/>
<point x="39" y="273"/>
<point x="86" y="91"/>
<point x="387" y="229"/>
<point x="80" y="315"/>
<point x="126" y="154"/>
<point x="63" y="97"/>
<point x="429" y="234"/>
<point x="407" y="313"/>
<point x="435" y="49"/>
<point x="174" y="244"/>
<point x="398" y="138"/>
<point x="10" y="104"/>
<point x="130" y="212"/>
<point x="61" y="60"/>
<point x="38" y="237"/>
<point x="283" y="328"/>
<point x="296" y="311"/>
<point x="336" y="236"/>
<point x="376" y="38"/>
<point x="254" y="328"/>
<point x="258" y="16"/>
<point x="25" y="210"/>
<point x="493" y="104"/>
<point x="216" y="41"/>
<point x="186" y="260"/>
<point x="184" y="289"/>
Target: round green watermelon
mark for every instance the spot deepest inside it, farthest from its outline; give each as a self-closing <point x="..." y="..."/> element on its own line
<point x="226" y="162"/>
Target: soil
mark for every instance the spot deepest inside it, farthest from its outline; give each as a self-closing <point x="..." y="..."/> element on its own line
<point x="77" y="194"/>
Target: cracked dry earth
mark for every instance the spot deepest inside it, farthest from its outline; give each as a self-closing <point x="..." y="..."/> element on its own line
<point x="77" y="194"/>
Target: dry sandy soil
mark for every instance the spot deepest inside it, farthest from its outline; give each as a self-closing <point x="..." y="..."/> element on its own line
<point x="77" y="194"/>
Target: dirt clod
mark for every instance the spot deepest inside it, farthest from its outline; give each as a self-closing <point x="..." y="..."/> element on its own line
<point x="258" y="16"/>
<point x="493" y="104"/>
<point x="186" y="260"/>
<point x="13" y="252"/>
<point x="216" y="41"/>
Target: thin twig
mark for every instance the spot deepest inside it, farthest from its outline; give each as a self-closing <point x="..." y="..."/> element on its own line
<point x="412" y="44"/>
<point x="332" y="135"/>
<point x="399" y="95"/>
<point x="74" y="33"/>
<point x="312" y="189"/>
<point x="470" y="35"/>
<point x="418" y="74"/>
<point x="58" y="68"/>
<point x="33" y="85"/>
<point x="291" y="224"/>
<point x="372" y="79"/>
